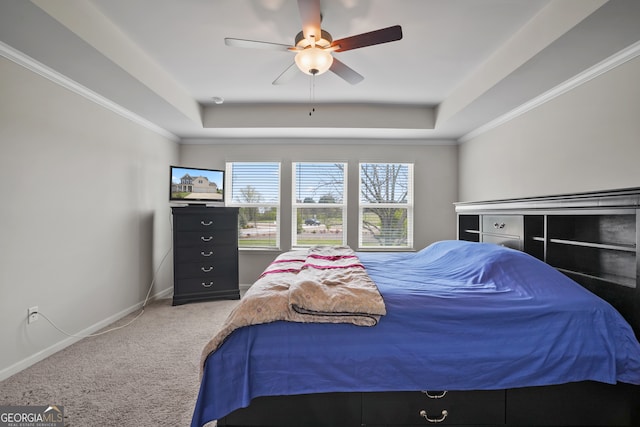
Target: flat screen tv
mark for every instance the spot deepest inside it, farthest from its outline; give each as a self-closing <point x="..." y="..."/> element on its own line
<point x="196" y="185"/>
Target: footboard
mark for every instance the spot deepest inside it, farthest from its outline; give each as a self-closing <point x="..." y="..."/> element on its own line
<point x="575" y="404"/>
<point x="313" y="410"/>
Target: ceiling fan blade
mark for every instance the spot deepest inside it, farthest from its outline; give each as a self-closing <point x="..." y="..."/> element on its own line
<point x="311" y="18"/>
<point x="287" y="75"/>
<point x="345" y="72"/>
<point x="384" y="35"/>
<point x="253" y="44"/>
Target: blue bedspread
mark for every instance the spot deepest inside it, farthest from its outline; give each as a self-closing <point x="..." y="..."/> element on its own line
<point x="460" y="316"/>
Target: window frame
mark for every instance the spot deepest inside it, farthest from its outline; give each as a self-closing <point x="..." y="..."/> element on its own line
<point x="229" y="184"/>
<point x="408" y="205"/>
<point x="295" y="204"/>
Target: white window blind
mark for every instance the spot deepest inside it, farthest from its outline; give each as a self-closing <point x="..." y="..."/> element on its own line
<point x="386" y="205"/>
<point x="319" y="204"/>
<point x="254" y="187"/>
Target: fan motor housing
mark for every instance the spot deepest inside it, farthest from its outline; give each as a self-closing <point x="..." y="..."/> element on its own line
<point x="324" y="41"/>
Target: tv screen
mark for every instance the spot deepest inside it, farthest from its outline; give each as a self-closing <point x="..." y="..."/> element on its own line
<point x="196" y="185"/>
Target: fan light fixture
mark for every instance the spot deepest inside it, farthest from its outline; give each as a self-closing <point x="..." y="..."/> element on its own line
<point x="314" y="47"/>
<point x="314" y="60"/>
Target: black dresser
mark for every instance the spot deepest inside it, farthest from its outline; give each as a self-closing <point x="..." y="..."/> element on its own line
<point x="205" y="254"/>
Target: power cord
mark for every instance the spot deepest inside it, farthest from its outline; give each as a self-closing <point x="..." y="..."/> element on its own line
<point x="88" y="335"/>
<point x="144" y="304"/>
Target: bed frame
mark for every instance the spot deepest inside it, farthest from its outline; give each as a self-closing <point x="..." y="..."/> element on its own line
<point x="591" y="237"/>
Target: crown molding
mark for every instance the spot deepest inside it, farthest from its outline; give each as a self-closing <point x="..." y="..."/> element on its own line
<point x="600" y="68"/>
<point x="31" y="64"/>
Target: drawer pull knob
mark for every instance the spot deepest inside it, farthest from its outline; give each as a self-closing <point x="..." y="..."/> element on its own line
<point x="206" y="269"/>
<point x="206" y="239"/>
<point x="206" y="224"/>
<point x="203" y="253"/>
<point x="423" y="414"/>
<point x="207" y="285"/>
<point x="496" y="225"/>
<point x="439" y="395"/>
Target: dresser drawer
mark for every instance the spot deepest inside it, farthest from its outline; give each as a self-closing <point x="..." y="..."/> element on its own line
<point x="205" y="222"/>
<point x="445" y="408"/>
<point x="512" y="225"/>
<point x="206" y="269"/>
<point x="201" y="253"/>
<point x="206" y="285"/>
<point x="206" y="238"/>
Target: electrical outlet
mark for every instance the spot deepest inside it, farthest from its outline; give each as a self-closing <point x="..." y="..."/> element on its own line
<point x="32" y="314"/>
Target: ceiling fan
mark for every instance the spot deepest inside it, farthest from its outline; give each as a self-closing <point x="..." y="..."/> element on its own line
<point x="314" y="46"/>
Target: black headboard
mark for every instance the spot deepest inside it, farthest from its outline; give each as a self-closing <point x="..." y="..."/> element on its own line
<point x="592" y="237"/>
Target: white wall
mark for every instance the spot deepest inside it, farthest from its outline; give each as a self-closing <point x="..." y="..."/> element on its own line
<point x="587" y="139"/>
<point x="435" y="176"/>
<point x="84" y="219"/>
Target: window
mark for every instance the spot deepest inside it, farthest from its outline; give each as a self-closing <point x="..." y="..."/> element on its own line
<point x="386" y="205"/>
<point x="255" y="188"/>
<point x="319" y="204"/>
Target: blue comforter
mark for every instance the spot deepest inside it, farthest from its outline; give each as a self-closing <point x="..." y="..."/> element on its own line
<point x="460" y="316"/>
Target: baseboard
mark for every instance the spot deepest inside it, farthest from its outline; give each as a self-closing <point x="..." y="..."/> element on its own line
<point x="243" y="289"/>
<point x="43" y="354"/>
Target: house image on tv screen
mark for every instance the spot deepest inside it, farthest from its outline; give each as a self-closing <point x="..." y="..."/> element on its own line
<point x="195" y="187"/>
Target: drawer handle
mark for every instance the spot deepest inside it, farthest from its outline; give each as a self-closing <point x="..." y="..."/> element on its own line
<point x="423" y="414"/>
<point x="207" y="285"/>
<point x="206" y="239"/>
<point x="203" y="253"/>
<point x="496" y="225"/>
<point x="435" y="396"/>
<point x="206" y="224"/>
<point x="206" y="269"/>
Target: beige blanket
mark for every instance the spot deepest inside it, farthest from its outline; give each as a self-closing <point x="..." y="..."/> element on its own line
<point x="322" y="284"/>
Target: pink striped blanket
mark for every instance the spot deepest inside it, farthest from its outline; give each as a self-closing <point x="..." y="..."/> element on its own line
<point x="324" y="284"/>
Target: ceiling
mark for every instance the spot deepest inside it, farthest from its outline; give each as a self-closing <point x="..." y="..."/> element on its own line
<point x="460" y="65"/>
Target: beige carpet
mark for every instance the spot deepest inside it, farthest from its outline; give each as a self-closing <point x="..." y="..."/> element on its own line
<point x="143" y="375"/>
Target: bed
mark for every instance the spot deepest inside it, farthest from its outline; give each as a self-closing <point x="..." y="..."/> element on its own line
<point x="471" y="333"/>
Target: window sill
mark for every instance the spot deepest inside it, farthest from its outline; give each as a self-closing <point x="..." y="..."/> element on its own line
<point x="259" y="250"/>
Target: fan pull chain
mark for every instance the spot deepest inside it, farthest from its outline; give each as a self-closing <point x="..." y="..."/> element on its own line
<point x="312" y="93"/>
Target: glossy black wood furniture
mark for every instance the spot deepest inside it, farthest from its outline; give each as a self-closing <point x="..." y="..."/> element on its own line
<point x="575" y="404"/>
<point x="591" y="237"/>
<point x="205" y="254"/>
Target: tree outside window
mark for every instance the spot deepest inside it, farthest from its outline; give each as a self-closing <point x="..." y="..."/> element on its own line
<point x="386" y="205"/>
<point x="255" y="189"/>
